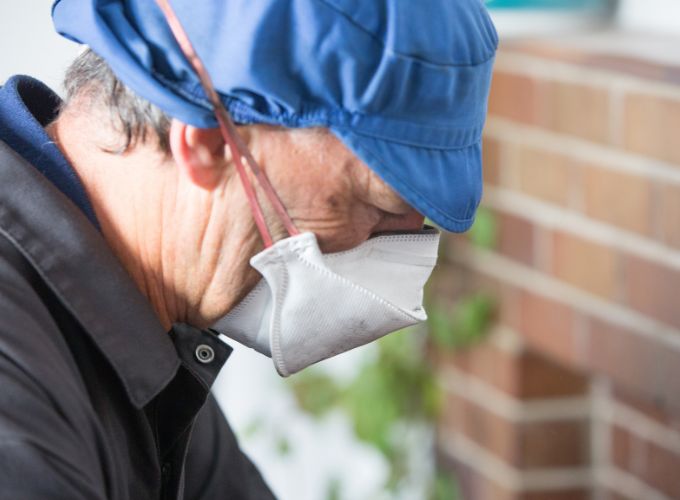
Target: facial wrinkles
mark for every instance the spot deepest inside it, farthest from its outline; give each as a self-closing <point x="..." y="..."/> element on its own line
<point x="315" y="175"/>
<point x="222" y="252"/>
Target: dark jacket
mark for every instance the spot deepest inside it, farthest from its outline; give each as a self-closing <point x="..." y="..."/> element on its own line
<point x="97" y="401"/>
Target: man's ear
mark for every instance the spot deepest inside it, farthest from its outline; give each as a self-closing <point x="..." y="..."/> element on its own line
<point x="199" y="153"/>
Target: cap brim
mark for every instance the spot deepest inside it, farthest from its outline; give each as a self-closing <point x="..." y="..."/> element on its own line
<point x="444" y="185"/>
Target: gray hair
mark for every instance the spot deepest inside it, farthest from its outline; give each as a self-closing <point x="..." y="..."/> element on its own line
<point x="134" y="118"/>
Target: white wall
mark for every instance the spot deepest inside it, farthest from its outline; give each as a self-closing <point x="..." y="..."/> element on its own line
<point x="651" y="15"/>
<point x="29" y="45"/>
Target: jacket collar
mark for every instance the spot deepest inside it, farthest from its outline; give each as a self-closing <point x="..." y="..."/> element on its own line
<point x="77" y="264"/>
<point x="26" y="107"/>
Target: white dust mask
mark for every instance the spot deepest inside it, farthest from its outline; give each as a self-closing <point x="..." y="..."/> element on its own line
<point x="311" y="306"/>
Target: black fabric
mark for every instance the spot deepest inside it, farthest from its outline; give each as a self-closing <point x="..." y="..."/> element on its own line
<point x="96" y="400"/>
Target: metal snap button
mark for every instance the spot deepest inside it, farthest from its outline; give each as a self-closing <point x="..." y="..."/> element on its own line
<point x="204" y="353"/>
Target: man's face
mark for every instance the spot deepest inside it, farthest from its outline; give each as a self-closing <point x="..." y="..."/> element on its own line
<point x="326" y="189"/>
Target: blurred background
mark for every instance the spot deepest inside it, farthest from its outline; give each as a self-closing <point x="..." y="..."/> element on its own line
<point x="550" y="368"/>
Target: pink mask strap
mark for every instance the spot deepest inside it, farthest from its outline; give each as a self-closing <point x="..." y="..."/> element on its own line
<point x="238" y="149"/>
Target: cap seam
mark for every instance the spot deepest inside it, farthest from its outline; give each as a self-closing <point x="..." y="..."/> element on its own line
<point x="405" y="143"/>
<point x="333" y="118"/>
<point x="405" y="57"/>
<point x="338" y="118"/>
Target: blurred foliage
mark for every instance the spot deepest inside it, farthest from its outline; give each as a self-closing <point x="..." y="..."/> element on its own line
<point x="445" y="487"/>
<point x="396" y="387"/>
<point x="253" y="428"/>
<point x="334" y="491"/>
<point x="462" y="325"/>
<point x="484" y="232"/>
<point x="399" y="387"/>
<point x="283" y="446"/>
<point x="315" y="392"/>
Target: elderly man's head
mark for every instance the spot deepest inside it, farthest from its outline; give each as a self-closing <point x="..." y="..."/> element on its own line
<point x="342" y="105"/>
<point x="170" y="202"/>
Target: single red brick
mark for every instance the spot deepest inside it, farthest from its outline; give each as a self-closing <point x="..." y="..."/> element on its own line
<point x="624" y="356"/>
<point x="497" y="367"/>
<point x="620" y="199"/>
<point x="543" y="174"/>
<point x="669" y="214"/>
<point x="543" y="378"/>
<point x="554" y="444"/>
<point x="666" y="393"/>
<point x="491" y="159"/>
<point x="661" y="470"/>
<point x="651" y="125"/>
<point x="515" y="97"/>
<point x="585" y="264"/>
<point x="548" y="327"/>
<point x="652" y="289"/>
<point x="577" y="109"/>
<point x="515" y="238"/>
<point x="489" y="430"/>
<point x="620" y="451"/>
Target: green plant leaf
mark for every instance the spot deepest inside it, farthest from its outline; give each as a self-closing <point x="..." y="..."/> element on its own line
<point x="334" y="489"/>
<point x="467" y="322"/>
<point x="484" y="231"/>
<point x="445" y="487"/>
<point x="253" y="428"/>
<point x="315" y="392"/>
<point x="283" y="446"/>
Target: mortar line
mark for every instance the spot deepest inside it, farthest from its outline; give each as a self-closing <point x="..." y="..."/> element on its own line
<point x="643" y="426"/>
<point x="603" y="156"/>
<point x="508" y="476"/>
<point x="557" y="218"/>
<point x="550" y="69"/>
<point x="485" y="395"/>
<point x="628" y="485"/>
<point x="526" y="278"/>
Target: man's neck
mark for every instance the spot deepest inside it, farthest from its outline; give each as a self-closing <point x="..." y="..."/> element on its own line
<point x="186" y="248"/>
<point x="131" y="217"/>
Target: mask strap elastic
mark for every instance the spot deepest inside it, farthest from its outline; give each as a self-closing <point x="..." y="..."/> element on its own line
<point x="238" y="149"/>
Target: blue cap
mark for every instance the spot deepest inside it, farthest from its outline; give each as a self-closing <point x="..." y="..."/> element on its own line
<point x="403" y="83"/>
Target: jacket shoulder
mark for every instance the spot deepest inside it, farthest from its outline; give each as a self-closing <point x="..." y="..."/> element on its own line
<point x="41" y="402"/>
<point x="22" y="309"/>
<point x="29" y="334"/>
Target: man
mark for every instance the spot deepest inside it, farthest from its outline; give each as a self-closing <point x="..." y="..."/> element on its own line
<point x="123" y="217"/>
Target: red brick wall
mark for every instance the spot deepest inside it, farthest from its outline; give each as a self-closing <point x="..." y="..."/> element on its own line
<point x="576" y="393"/>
